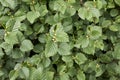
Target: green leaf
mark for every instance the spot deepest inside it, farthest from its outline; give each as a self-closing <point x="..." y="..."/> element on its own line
<point x="49" y="75"/>
<point x="82" y="13"/>
<point x="40" y="74"/>
<point x="67" y="58"/>
<point x="25" y="72"/>
<point x="38" y="28"/>
<point x="16" y="26"/>
<point x="1" y="73"/>
<point x="11" y="38"/>
<point x="26" y="45"/>
<point x="99" y="70"/>
<point x="60" y="5"/>
<point x="89" y="49"/>
<point x="114" y="27"/>
<point x="106" y="23"/>
<point x="61" y="36"/>
<point x="2" y="32"/>
<point x="71" y="1"/>
<point x="117" y="2"/>
<point x="99" y="44"/>
<point x="70" y="11"/>
<point x="13" y="74"/>
<point x="7" y="47"/>
<point x="99" y="4"/>
<point x="80" y="58"/>
<point x="46" y="62"/>
<point x="64" y="49"/>
<point x="1" y="53"/>
<point x="43" y="10"/>
<point x="31" y="16"/>
<point x="114" y="12"/>
<point x="16" y="53"/>
<point x="41" y="38"/>
<point x="9" y="3"/>
<point x="95" y="12"/>
<point x="84" y="42"/>
<point x="94" y="31"/>
<point x="64" y="76"/>
<point x="38" y="48"/>
<point x="81" y="75"/>
<point x="50" y="20"/>
<point x="50" y="49"/>
<point x="117" y="51"/>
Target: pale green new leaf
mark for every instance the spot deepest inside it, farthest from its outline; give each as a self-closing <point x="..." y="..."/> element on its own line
<point x="60" y="5"/>
<point x="61" y="36"/>
<point x="117" y="2"/>
<point x="26" y="71"/>
<point x="95" y="12"/>
<point x="16" y="26"/>
<point x="11" y="38"/>
<point x="82" y="12"/>
<point x="32" y="16"/>
<point x="9" y="3"/>
<point x="13" y="74"/>
<point x="50" y="49"/>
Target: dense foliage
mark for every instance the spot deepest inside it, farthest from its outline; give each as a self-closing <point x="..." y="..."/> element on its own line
<point x="59" y="39"/>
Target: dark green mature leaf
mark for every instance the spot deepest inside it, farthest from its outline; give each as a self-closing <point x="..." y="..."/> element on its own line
<point x="26" y="45"/>
<point x="1" y="53"/>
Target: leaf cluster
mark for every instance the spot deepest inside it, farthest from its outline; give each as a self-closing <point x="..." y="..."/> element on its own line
<point x="59" y="39"/>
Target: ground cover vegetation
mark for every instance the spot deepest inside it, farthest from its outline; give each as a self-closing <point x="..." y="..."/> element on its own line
<point x="59" y="39"/>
